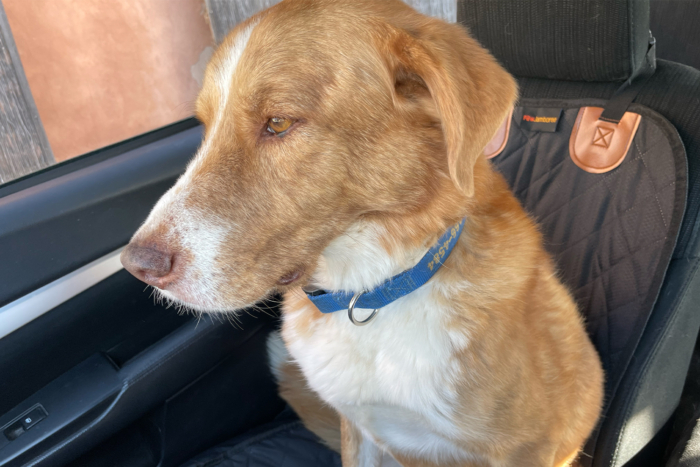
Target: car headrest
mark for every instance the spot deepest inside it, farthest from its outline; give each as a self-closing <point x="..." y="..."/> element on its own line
<point x="575" y="40"/>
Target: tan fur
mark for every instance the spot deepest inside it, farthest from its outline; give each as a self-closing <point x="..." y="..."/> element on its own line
<point x="318" y="417"/>
<point x="392" y="112"/>
<point x="350" y="439"/>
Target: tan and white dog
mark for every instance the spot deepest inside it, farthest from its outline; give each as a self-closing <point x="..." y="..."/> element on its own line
<point x="342" y="139"/>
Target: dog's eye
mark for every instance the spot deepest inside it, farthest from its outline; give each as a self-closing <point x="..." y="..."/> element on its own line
<point x="278" y="125"/>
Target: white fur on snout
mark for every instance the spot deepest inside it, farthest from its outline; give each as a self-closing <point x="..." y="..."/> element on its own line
<point x="198" y="236"/>
<point x="199" y="233"/>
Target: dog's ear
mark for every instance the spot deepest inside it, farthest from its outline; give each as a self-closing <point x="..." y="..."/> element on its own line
<point x="471" y="92"/>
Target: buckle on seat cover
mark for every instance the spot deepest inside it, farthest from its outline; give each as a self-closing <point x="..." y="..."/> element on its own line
<point x="598" y="146"/>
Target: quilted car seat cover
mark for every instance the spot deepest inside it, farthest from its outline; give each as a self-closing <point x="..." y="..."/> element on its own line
<point x="612" y="234"/>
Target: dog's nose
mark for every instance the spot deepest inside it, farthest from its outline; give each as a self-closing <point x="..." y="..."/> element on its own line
<point x="150" y="265"/>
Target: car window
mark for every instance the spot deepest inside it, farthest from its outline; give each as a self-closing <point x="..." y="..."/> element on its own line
<point x="101" y="72"/>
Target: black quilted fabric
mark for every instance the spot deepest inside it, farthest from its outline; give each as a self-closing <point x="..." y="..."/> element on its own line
<point x="612" y="234"/>
<point x="285" y="445"/>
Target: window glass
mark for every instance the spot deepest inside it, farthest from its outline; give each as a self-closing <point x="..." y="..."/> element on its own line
<point x="104" y="71"/>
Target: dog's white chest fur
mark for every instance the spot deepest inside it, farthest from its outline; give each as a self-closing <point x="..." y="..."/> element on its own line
<point x="396" y="377"/>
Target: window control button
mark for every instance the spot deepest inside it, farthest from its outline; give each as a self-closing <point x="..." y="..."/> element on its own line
<point x="13" y="431"/>
<point x="32" y="418"/>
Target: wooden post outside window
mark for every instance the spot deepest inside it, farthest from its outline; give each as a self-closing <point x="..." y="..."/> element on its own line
<point x="24" y="147"/>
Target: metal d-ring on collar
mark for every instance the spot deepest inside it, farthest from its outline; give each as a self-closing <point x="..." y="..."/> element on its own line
<point x="351" y="310"/>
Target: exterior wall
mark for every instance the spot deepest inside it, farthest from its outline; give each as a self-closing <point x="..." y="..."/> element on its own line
<point x="104" y="71"/>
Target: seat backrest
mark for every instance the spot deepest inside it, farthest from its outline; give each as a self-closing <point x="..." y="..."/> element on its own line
<point x="624" y="231"/>
<point x="675" y="25"/>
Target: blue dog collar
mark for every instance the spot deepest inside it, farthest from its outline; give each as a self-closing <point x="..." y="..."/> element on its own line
<point x="393" y="288"/>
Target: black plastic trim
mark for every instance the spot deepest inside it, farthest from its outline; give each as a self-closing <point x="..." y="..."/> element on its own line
<point x="53" y="228"/>
<point x="94" y="157"/>
<point x="94" y="400"/>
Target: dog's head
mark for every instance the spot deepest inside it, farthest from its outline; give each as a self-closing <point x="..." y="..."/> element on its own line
<point x="317" y="113"/>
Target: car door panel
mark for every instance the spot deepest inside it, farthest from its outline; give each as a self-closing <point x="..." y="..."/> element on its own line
<point x="101" y="356"/>
<point x="52" y="228"/>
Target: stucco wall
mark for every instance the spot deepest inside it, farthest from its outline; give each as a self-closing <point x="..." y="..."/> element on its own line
<point x="104" y="71"/>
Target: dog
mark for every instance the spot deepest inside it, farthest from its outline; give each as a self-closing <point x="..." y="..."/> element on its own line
<point x="342" y="152"/>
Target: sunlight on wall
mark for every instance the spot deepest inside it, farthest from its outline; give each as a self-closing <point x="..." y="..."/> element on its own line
<point x="101" y="72"/>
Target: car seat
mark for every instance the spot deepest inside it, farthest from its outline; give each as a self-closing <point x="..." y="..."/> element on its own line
<point x="603" y="149"/>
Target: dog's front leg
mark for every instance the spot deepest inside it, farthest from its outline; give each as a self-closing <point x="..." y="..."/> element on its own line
<point x="356" y="449"/>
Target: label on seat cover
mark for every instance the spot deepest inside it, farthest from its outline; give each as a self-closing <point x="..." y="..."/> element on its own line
<point x="540" y="119"/>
